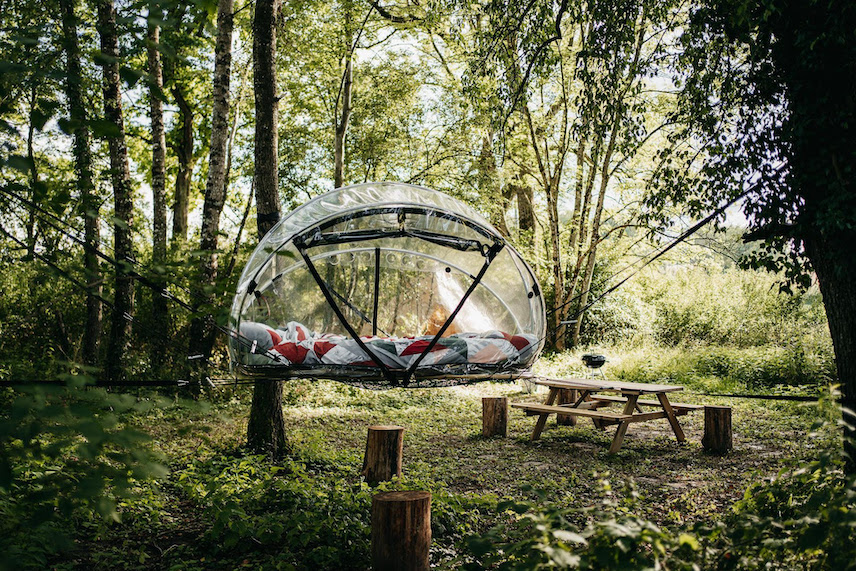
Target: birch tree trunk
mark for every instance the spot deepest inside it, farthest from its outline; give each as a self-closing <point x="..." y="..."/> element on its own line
<point x="122" y="194"/>
<point x="266" y="427"/>
<point x="160" y="314"/>
<point x="595" y="232"/>
<point x="202" y="329"/>
<point x="342" y="125"/>
<point x="525" y="212"/>
<point x="83" y="170"/>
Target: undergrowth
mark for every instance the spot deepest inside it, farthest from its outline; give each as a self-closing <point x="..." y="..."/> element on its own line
<point x="496" y="503"/>
<point x="801" y="367"/>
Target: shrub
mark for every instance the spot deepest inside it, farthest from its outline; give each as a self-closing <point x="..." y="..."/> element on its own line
<point x="803" y="518"/>
<point x="305" y="516"/>
<point x="66" y="459"/>
<point x="729" y="368"/>
<point x="541" y="535"/>
<point x="729" y="307"/>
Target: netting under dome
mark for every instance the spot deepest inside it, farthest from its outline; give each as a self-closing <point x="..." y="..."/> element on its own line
<point x="386" y="284"/>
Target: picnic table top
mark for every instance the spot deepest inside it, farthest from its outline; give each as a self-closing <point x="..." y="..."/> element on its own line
<point x="605" y="385"/>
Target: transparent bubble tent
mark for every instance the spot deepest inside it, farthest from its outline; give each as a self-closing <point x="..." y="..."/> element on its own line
<point x="386" y="284"/>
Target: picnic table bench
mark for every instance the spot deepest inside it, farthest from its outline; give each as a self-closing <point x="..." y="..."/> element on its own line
<point x="590" y="403"/>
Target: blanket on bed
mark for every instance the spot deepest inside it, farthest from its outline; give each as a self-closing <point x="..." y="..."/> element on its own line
<point x="297" y="344"/>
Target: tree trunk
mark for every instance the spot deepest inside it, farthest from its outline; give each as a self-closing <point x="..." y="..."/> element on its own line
<point x="525" y="213"/>
<point x="717" y="429"/>
<point x="401" y="531"/>
<point x="83" y="170"/>
<point x="186" y="162"/>
<point x="123" y="304"/>
<point x="35" y="184"/>
<point x="266" y="134"/>
<point x="345" y="118"/>
<point x="160" y="311"/>
<point x="820" y="145"/>
<point x="266" y="427"/>
<point x="550" y="183"/>
<point x="574" y="246"/>
<point x="595" y="233"/>
<point x="495" y="199"/>
<point x="383" y="456"/>
<point x="494" y="416"/>
<point x="833" y="257"/>
<point x="202" y="329"/>
<point x="566" y="396"/>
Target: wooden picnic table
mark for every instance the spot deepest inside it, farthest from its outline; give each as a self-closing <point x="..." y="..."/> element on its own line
<point x="589" y="403"/>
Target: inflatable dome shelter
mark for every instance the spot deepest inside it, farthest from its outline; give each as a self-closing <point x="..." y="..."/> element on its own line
<point x="386" y="284"/>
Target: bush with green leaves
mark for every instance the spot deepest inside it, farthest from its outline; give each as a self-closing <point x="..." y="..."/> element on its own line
<point x="66" y="457"/>
<point x="720" y="368"/>
<point x="539" y="534"/>
<point x="306" y="515"/>
<point x="803" y="518"/>
<point x="712" y="306"/>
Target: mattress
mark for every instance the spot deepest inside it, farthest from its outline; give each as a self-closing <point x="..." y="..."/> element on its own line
<point x="296" y="344"/>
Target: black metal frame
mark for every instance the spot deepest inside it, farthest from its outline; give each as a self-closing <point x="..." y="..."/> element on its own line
<point x="315" y="236"/>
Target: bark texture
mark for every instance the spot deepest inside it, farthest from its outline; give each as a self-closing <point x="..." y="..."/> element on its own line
<point x="833" y="257"/>
<point x="342" y="124"/>
<point x="266" y="137"/>
<point x="717" y="429"/>
<point x="266" y="426"/>
<point x="81" y="148"/>
<point x="494" y="416"/>
<point x="202" y="329"/>
<point x="382" y="459"/>
<point x="566" y="396"/>
<point x="525" y="212"/>
<point x="160" y="311"/>
<point x="186" y="161"/>
<point x="401" y="531"/>
<point x="123" y="304"/>
<point x="820" y="76"/>
<point x="496" y="199"/>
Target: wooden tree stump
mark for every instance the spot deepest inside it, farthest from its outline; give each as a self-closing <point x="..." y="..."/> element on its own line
<point x="717" y="429"/>
<point x="494" y="416"/>
<point x="384" y="447"/>
<point x="566" y="396"/>
<point x="401" y="531"/>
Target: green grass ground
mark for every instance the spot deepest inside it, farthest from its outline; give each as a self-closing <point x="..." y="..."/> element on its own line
<point x="220" y="509"/>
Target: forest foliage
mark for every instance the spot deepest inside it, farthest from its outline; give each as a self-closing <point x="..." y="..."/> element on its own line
<point x="583" y="130"/>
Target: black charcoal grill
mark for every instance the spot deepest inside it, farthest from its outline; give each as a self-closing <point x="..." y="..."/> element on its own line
<point x="593" y="361"/>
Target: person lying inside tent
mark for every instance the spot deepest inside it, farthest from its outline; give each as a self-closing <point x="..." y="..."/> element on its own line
<point x="437" y="320"/>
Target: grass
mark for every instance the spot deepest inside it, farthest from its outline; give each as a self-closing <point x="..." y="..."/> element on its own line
<point x="221" y="509"/>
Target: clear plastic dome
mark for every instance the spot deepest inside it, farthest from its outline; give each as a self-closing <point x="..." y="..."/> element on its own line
<point x="382" y="267"/>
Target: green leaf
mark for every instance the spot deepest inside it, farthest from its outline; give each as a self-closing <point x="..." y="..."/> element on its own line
<point x="103" y="128"/>
<point x="569" y="536"/>
<point x="20" y="163"/>
<point x="130" y="75"/>
<point x="5" y="473"/>
<point x="39" y="118"/>
<point x="689" y="540"/>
